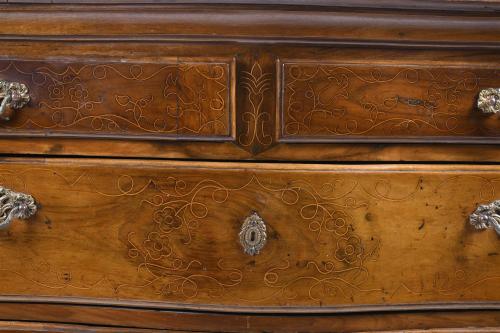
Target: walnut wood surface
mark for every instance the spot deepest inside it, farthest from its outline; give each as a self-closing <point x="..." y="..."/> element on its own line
<point x="129" y="318"/>
<point x="258" y="107"/>
<point x="452" y="5"/>
<point x="17" y="327"/>
<point x="329" y="101"/>
<point x="305" y="23"/>
<point x="338" y="236"/>
<point x="283" y="152"/>
<point x="140" y="245"/>
<point x="128" y="99"/>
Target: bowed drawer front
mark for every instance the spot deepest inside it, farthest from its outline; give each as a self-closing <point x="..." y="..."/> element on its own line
<point x="252" y="235"/>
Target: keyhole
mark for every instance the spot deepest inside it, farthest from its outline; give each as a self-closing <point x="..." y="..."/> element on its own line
<point x="252" y="236"/>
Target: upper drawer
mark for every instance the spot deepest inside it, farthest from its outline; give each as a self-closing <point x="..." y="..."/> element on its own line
<point x="259" y="236"/>
<point x="119" y="98"/>
<point x="383" y="100"/>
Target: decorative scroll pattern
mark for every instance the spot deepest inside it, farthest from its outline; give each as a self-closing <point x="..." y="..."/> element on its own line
<point x="181" y="209"/>
<point x="323" y="100"/>
<point x="175" y="236"/>
<point x="179" y="99"/>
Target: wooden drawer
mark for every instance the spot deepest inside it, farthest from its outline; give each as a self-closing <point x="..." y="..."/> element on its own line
<point x="338" y="237"/>
<point x="389" y="96"/>
<point x="121" y="98"/>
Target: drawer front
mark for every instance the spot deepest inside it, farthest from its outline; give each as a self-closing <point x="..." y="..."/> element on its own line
<point x="116" y="98"/>
<point x="250" y="234"/>
<point x="336" y="101"/>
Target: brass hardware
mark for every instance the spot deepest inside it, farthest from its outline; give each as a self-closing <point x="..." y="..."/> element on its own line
<point x="489" y="100"/>
<point x="253" y="234"/>
<point x="14" y="95"/>
<point x="14" y="205"/>
<point x="487" y="216"/>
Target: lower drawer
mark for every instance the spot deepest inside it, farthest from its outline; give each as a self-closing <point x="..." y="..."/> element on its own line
<point x="259" y="236"/>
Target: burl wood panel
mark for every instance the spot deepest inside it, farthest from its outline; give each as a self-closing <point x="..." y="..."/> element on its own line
<point x="168" y="231"/>
<point x="167" y="99"/>
<point x="384" y="102"/>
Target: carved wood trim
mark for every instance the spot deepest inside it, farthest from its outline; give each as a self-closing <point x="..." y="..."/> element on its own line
<point x="268" y="23"/>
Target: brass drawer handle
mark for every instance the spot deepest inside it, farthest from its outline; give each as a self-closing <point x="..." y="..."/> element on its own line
<point x="489" y="100"/>
<point x="14" y="95"/>
<point x="253" y="234"/>
<point x="15" y="205"/>
<point x="487" y="216"/>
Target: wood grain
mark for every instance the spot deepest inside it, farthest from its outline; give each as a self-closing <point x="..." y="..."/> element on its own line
<point x="225" y="22"/>
<point x="122" y="99"/>
<point x="17" y="327"/>
<point x="129" y="318"/>
<point x="454" y="330"/>
<point x="144" y="245"/>
<point x="451" y="5"/>
<point x="325" y="101"/>
<point x="253" y="114"/>
<point x="283" y="152"/>
<point x="168" y="232"/>
<point x="256" y="119"/>
<point x="409" y="5"/>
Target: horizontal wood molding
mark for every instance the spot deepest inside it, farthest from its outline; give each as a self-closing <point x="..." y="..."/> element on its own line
<point x="451" y="5"/>
<point x="220" y="22"/>
<point x="34" y="327"/>
<point x="227" y="151"/>
<point x="252" y="310"/>
<point x="124" y="319"/>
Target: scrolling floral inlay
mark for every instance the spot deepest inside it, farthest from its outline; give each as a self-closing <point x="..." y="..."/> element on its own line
<point x="172" y="233"/>
<point x="181" y="208"/>
<point x="339" y="100"/>
<point x="144" y="99"/>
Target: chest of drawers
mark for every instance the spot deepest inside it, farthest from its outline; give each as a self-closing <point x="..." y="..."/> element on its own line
<point x="284" y="166"/>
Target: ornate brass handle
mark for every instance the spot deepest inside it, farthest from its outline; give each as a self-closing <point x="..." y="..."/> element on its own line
<point x="253" y="234"/>
<point x="487" y="216"/>
<point x="14" y="205"/>
<point x="489" y="100"/>
<point x="14" y="95"/>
